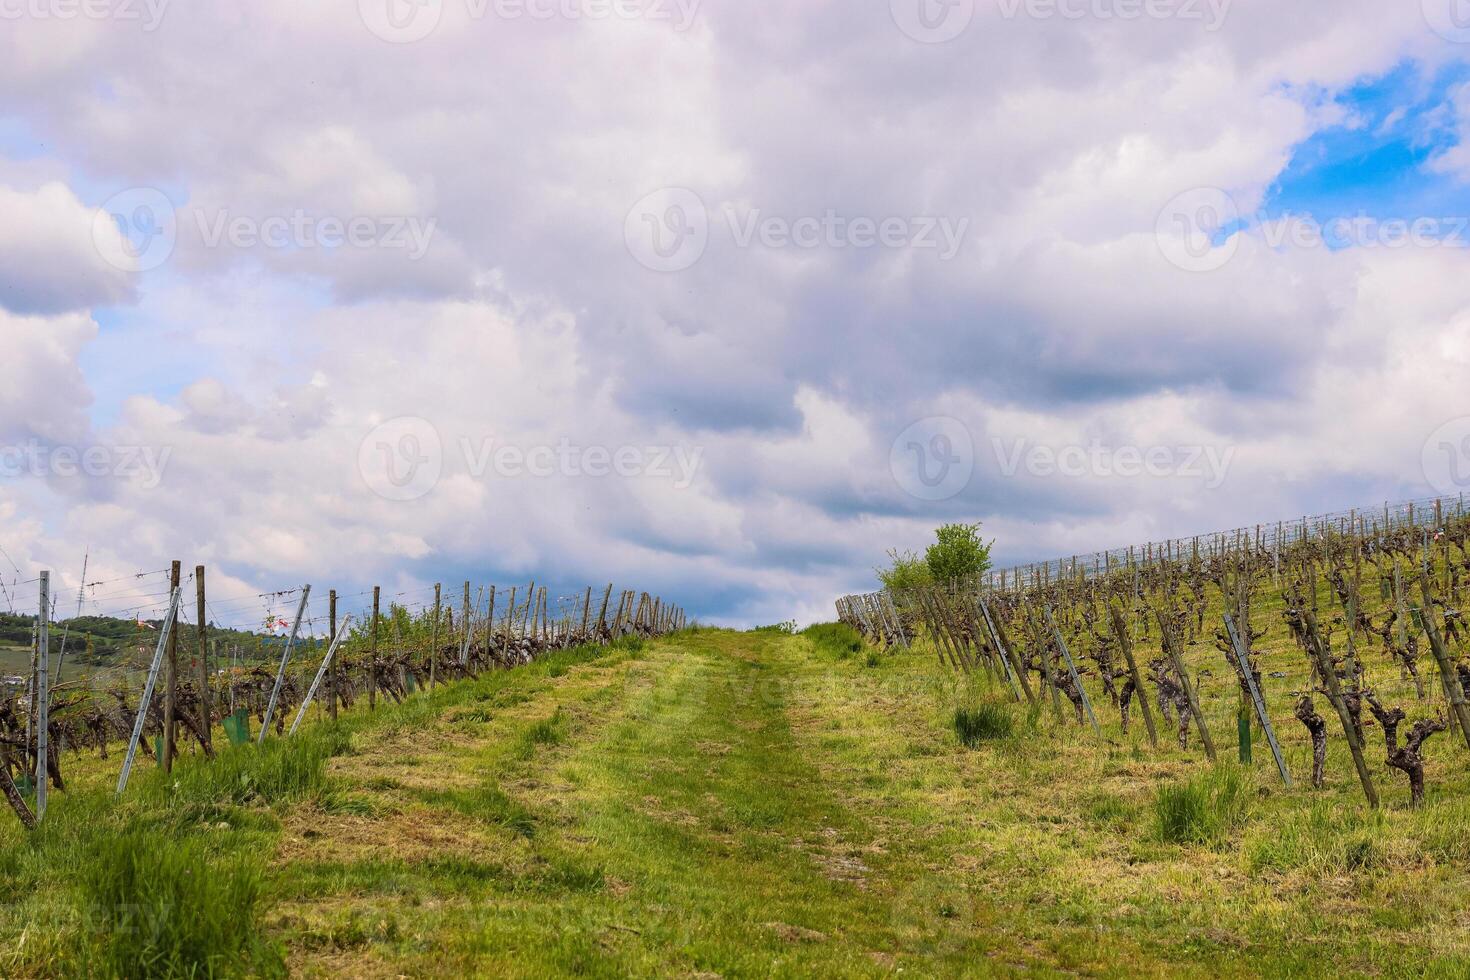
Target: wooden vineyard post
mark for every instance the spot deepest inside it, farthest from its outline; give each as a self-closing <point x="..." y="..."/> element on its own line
<point x="434" y="635"/>
<point x="898" y="623"/>
<point x="1453" y="689"/>
<point x="43" y="696"/>
<point x="1072" y="670"/>
<point x="170" y="685"/>
<point x="1120" y="630"/>
<point x="602" y="612"/>
<point x="1171" y="647"/>
<point x="1334" y="694"/>
<point x="202" y="633"/>
<point x="464" y="650"/>
<point x="1009" y="655"/>
<point x="490" y="625"/>
<point x="332" y="691"/>
<point x="373" y="654"/>
<point x="1238" y="645"/>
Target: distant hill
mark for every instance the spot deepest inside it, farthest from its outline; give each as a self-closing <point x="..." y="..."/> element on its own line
<point x="104" y="641"/>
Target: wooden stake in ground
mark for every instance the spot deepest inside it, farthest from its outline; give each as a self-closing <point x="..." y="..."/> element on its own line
<point x="43" y="696"/>
<point x="1171" y="647"/>
<point x="1120" y="630"/>
<point x="200" y="631"/>
<point x="170" y="686"/>
<point x="373" y="655"/>
<point x="1004" y="646"/>
<point x="434" y="637"/>
<point x="1451" y="678"/>
<point x="1334" y="694"/>
<point x="1072" y="669"/>
<point x="332" y="690"/>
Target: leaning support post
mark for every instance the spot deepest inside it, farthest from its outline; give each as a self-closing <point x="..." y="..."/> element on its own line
<point x="1334" y="694"/>
<point x="1072" y="669"/>
<point x="1453" y="689"/>
<point x="1171" y="647"/>
<point x="321" y="672"/>
<point x="1256" y="699"/>
<point x="270" y="709"/>
<point x="1120" y="630"/>
<point x="164" y="632"/>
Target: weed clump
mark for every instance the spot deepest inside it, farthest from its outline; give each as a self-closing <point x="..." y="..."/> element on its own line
<point x="1203" y="810"/>
<point x="984" y="722"/>
<point x="166" y="911"/>
<point x="834" y="639"/>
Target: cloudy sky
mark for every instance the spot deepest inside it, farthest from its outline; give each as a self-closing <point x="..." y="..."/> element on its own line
<point x="716" y="299"/>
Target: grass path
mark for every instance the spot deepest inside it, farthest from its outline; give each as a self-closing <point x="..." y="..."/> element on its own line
<point x="664" y="819"/>
<point x="721" y="804"/>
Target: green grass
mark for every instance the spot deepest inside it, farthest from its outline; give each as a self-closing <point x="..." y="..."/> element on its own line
<point x="741" y="805"/>
<point x="172" y="909"/>
<point x="984" y="722"/>
<point x="1202" y="810"/>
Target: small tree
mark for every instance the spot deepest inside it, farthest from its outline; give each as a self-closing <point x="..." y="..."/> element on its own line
<point x="905" y="571"/>
<point x="958" y="553"/>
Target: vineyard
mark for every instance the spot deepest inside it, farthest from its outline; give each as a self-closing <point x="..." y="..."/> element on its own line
<point x="1305" y="636"/>
<point x="163" y="706"/>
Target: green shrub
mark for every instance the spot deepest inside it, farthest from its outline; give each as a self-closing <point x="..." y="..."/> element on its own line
<point x="984" y="722"/>
<point x="1202" y="810"/>
<point x="164" y="908"/>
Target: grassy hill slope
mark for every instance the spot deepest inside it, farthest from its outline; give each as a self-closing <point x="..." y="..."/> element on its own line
<point x="721" y="804"/>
